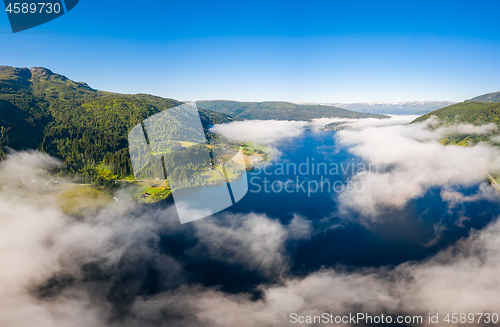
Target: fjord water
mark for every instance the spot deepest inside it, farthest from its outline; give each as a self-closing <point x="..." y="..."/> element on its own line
<point x="421" y="228"/>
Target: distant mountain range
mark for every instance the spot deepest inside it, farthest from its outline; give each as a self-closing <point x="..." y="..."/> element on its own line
<point x="391" y="108"/>
<point x="279" y="110"/>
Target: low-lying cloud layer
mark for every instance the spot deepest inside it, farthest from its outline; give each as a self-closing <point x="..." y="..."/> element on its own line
<point x="131" y="266"/>
<point x="271" y="132"/>
<point x="265" y="132"/>
<point x="411" y="160"/>
<point x="101" y="269"/>
<point x="461" y="279"/>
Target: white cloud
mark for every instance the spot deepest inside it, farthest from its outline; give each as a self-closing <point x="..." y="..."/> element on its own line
<point x="265" y="132"/>
<point x="410" y="160"/>
<point x="358" y="123"/>
<point x="38" y="242"/>
<point x="463" y="278"/>
<point x="271" y="132"/>
<point x="252" y="240"/>
<point x="496" y="138"/>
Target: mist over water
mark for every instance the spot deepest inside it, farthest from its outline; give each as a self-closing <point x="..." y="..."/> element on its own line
<point x="419" y="229"/>
<point x="287" y="250"/>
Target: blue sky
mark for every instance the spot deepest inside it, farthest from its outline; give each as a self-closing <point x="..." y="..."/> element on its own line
<point x="331" y="51"/>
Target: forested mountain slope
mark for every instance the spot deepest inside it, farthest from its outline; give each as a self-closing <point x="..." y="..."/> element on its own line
<point x="490" y="97"/>
<point x="72" y="121"/>
<point x="470" y="112"/>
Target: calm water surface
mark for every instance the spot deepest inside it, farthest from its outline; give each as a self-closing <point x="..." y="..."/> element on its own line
<point x="420" y="229"/>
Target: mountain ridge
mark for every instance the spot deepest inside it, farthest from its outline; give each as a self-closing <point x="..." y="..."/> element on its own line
<point x="86" y="127"/>
<point x="279" y="110"/>
<point x="472" y="111"/>
<point x="488" y="97"/>
<point x="70" y="120"/>
<point x="468" y="112"/>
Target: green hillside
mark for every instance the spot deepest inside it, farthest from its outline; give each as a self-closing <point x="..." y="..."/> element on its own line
<point x="475" y="113"/>
<point x="280" y="110"/>
<point x="490" y="97"/>
<point x="82" y="126"/>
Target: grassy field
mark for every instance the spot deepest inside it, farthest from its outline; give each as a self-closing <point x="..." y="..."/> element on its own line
<point x="76" y="199"/>
<point x="157" y="190"/>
